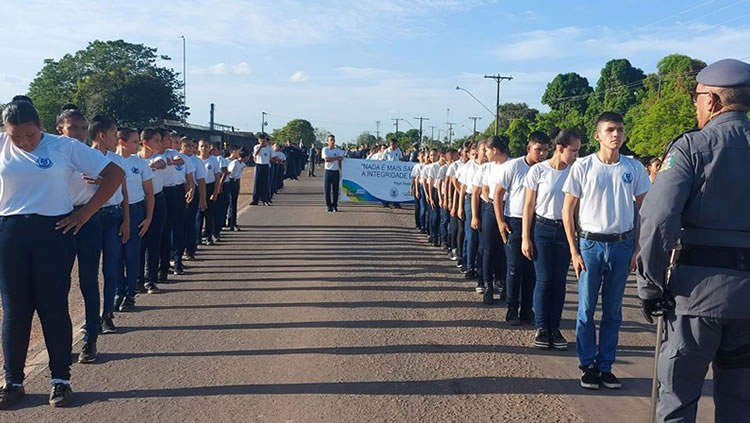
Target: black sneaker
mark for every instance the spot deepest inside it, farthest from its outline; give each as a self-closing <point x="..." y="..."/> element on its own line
<point x="590" y="378"/>
<point x="88" y="353"/>
<point x="163" y="277"/>
<point x="128" y="304"/>
<point x="479" y="288"/>
<point x="9" y="395"/>
<point x="471" y="274"/>
<point x="459" y="265"/>
<point x="61" y="395"/>
<point x="512" y="317"/>
<point x="542" y="339"/>
<point x="609" y="380"/>
<point x="527" y="317"/>
<point x="557" y="340"/>
<point x="489" y="296"/>
<point x="178" y="271"/>
<point x="501" y="289"/>
<point x="151" y="288"/>
<point x="118" y="302"/>
<point x="107" y="325"/>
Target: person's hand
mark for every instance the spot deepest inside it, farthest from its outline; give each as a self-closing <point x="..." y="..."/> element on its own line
<point x="633" y="262"/>
<point x="73" y="221"/>
<point x="143" y="227"/>
<point x="527" y="248"/>
<point x="124" y="231"/>
<point x="474" y="223"/>
<point x="214" y="196"/>
<point x="505" y="231"/>
<point x="656" y="307"/>
<point x="453" y="213"/>
<point x="578" y="265"/>
<point x="158" y="165"/>
<point x="189" y="196"/>
<point x="92" y="181"/>
<point x="202" y="205"/>
<point x="460" y="214"/>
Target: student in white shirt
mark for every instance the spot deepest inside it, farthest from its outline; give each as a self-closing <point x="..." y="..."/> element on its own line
<point x="188" y="148"/>
<point x="601" y="237"/>
<point x="333" y="157"/>
<point x="152" y="152"/>
<point x="458" y="224"/>
<point x="414" y="191"/>
<point x="492" y="254"/>
<point x="424" y="203"/>
<point x="37" y="228"/>
<point x="469" y="209"/>
<point x="213" y="175"/>
<point x="392" y="154"/>
<point x="182" y="179"/>
<point x="138" y="178"/>
<point x="222" y="202"/>
<point x="433" y="228"/>
<point x="278" y="163"/>
<point x="238" y="159"/>
<point x="262" y="158"/>
<point x="544" y="239"/>
<point x="449" y="194"/>
<point x="509" y="214"/>
<point x="442" y="185"/>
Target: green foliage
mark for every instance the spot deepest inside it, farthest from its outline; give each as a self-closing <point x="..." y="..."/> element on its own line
<point x="366" y="138"/>
<point x="509" y="112"/>
<point x="568" y="91"/>
<point x="294" y="131"/>
<point x="518" y="133"/>
<point x="116" y="78"/>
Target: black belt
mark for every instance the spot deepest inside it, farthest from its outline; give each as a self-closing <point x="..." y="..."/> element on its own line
<point x="548" y="222"/>
<point x="606" y="237"/>
<point x="109" y="209"/>
<point x="722" y="257"/>
<point x="234" y="179"/>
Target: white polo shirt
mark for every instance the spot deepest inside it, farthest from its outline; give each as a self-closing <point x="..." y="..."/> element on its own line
<point x="606" y="193"/>
<point x="37" y="182"/>
<point x="211" y="164"/>
<point x="452" y="168"/>
<point x="512" y="177"/>
<point x="392" y="155"/>
<point x="415" y="171"/>
<point x="279" y="155"/>
<point x="492" y="178"/>
<point x="199" y="170"/>
<point x="472" y="167"/>
<point x="328" y="153"/>
<point x="441" y="171"/>
<point x="160" y="175"/>
<point x="117" y="197"/>
<point x="263" y="154"/>
<point x="136" y="173"/>
<point x="81" y="191"/>
<point x="424" y="173"/>
<point x="175" y="174"/>
<point x="235" y="168"/>
<point x="548" y="183"/>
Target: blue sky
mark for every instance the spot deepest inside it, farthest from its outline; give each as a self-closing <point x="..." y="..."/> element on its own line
<point x="345" y="64"/>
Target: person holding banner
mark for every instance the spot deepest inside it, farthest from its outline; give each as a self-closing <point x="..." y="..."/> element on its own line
<point x="392" y="154"/>
<point x="333" y="158"/>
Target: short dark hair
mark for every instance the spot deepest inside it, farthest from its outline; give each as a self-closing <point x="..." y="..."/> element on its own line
<point x="566" y="136"/>
<point x="609" y="117"/>
<point x="69" y="114"/>
<point x="244" y="153"/>
<point x="18" y="112"/>
<point x="538" y="137"/>
<point x="263" y="136"/>
<point x="162" y="131"/>
<point x="393" y="139"/>
<point x="499" y="142"/>
<point x="99" y="124"/>
<point x="22" y="97"/>
<point x="68" y="106"/>
<point x="149" y="133"/>
<point x="125" y="133"/>
<point x="234" y="147"/>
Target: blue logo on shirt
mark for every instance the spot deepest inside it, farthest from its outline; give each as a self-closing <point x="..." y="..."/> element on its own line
<point x="44" y="163"/>
<point x="627" y="177"/>
<point x="178" y="167"/>
<point x="135" y="170"/>
<point x="209" y="167"/>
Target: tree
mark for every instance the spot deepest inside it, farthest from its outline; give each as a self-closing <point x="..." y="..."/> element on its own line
<point x="518" y="132"/>
<point x="115" y="78"/>
<point x="321" y="135"/>
<point x="568" y="91"/>
<point x="664" y="108"/>
<point x="295" y="131"/>
<point x="509" y="112"/>
<point x="366" y="138"/>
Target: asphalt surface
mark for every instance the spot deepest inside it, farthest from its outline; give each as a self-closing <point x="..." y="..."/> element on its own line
<point x="309" y="316"/>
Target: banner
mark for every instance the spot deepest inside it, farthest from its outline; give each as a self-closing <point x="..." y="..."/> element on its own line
<point x="376" y="181"/>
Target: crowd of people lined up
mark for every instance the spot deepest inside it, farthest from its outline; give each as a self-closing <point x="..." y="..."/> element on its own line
<point x="511" y="224"/>
<point x="140" y="202"/>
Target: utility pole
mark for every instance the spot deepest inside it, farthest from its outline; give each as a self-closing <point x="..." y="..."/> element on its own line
<point x="184" y="81"/>
<point x="396" y="120"/>
<point x="498" y="78"/>
<point x="377" y="130"/>
<point x="211" y="121"/>
<point x="432" y="134"/>
<point x="263" y="122"/>
<point x="450" y="132"/>
<point x="474" y="134"/>
<point x="420" y="127"/>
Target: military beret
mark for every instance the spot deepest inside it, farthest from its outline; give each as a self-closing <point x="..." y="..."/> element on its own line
<point x="725" y="73"/>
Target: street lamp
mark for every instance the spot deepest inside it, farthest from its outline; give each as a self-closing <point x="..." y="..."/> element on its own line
<point x="263" y="122"/>
<point x="184" y="81"/>
<point x="478" y="101"/>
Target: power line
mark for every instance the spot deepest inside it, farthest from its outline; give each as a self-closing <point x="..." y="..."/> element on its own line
<point x="715" y="12"/>
<point x="675" y="15"/>
<point x="420" y="126"/>
<point x="725" y="22"/>
<point x="498" y="78"/>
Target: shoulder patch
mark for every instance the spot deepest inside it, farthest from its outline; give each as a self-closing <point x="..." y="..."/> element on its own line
<point x="667" y="155"/>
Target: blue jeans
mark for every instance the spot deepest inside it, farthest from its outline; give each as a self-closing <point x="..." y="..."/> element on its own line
<point x="435" y="220"/>
<point x="471" y="239"/>
<point x="35" y="264"/>
<point x="173" y="236"/>
<point x="551" y="263"/>
<point x="131" y="253"/>
<point x="222" y="205"/>
<point x="607" y="267"/>
<point x="88" y="249"/>
<point x="445" y="218"/>
<point x="151" y="242"/>
<point x="493" y="254"/>
<point x="331" y="188"/>
<point x="422" y="208"/>
<point x="111" y="218"/>
<point x="192" y="225"/>
<point x="520" y="279"/>
<point x="234" y="193"/>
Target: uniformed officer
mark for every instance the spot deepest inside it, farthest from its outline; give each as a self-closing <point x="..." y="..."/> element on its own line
<point x="696" y="202"/>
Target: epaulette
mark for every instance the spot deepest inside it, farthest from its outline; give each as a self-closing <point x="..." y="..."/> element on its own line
<point x="671" y="143"/>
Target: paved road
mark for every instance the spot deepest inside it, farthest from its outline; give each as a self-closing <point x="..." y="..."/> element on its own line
<point x="307" y="316"/>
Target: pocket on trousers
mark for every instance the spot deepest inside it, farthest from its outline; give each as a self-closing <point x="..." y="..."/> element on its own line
<point x="586" y="244"/>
